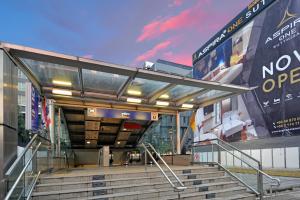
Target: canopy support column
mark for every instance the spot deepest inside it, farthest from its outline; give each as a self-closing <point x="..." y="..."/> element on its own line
<point x="178" y="146"/>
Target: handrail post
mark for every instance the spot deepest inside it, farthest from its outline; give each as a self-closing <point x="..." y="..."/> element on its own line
<point x="260" y="182"/>
<point x="219" y="155"/>
<point x="145" y="158"/>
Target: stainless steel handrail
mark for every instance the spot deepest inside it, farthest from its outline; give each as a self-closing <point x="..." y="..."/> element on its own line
<point x="10" y="192"/>
<point x="12" y="167"/>
<point x="179" y="188"/>
<point x="256" y="169"/>
<point x="259" y="171"/>
<point x="243" y="182"/>
<point x="33" y="185"/>
<point x="162" y="160"/>
<point x="233" y="147"/>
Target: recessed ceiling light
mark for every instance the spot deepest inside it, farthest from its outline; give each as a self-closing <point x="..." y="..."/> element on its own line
<point x="162" y="103"/>
<point x="64" y="83"/>
<point x="134" y="92"/>
<point x="88" y="142"/>
<point x="118" y="142"/>
<point x="62" y="92"/>
<point x="134" y="100"/>
<point x="164" y="96"/>
<point x="187" y="105"/>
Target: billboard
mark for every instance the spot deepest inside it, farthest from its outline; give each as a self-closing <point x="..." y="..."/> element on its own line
<point x="264" y="53"/>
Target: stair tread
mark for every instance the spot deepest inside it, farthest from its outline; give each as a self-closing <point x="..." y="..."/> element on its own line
<point x="121" y="186"/>
<point x="56" y="176"/>
<point x="193" y="194"/>
<point x="190" y="194"/>
<point x="125" y="179"/>
<point x="237" y="196"/>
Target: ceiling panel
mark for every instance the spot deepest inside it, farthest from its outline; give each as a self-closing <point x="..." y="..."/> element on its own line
<point x="91" y="135"/>
<point x="76" y="128"/>
<point x="109" y="129"/>
<point x="92" y="125"/>
<point x="74" y="117"/>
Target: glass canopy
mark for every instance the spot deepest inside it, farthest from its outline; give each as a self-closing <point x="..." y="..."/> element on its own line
<point x="80" y="80"/>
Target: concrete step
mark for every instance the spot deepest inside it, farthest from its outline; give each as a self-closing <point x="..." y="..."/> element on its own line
<point x="201" y="183"/>
<point x="163" y="189"/>
<point x="153" y="195"/>
<point x="195" y="177"/>
<point x="71" y="178"/>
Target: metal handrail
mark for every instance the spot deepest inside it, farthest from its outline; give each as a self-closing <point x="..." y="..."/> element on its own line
<point x="16" y="162"/>
<point x="10" y="192"/>
<point x="256" y="169"/>
<point x="162" y="160"/>
<point x="233" y="147"/>
<point x="32" y="186"/>
<point x="182" y="187"/>
<point x="12" y="167"/>
<point x="243" y="182"/>
<point x="259" y="171"/>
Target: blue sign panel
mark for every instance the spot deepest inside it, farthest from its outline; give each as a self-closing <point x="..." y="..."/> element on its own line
<point x="120" y="114"/>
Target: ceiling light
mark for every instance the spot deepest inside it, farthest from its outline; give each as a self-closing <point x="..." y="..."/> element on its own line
<point x="187" y="105"/>
<point x="118" y="142"/>
<point x="134" y="92"/>
<point x="64" y="83"/>
<point x="162" y="103"/>
<point x="62" y="92"/>
<point x="164" y="96"/>
<point x="88" y="142"/>
<point x="134" y="100"/>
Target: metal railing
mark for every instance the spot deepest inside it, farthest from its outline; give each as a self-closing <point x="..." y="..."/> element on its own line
<point x="178" y="185"/>
<point x="23" y="174"/>
<point x="216" y="151"/>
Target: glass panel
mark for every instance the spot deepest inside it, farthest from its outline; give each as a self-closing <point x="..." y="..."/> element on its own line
<point x="181" y="91"/>
<point x="144" y="87"/>
<point x="162" y="135"/>
<point x="102" y="82"/>
<point x="66" y="76"/>
<point x="210" y="95"/>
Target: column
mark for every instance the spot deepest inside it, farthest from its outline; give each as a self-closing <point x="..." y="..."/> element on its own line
<point x="52" y="121"/>
<point x="178" y="147"/>
<point x="8" y="116"/>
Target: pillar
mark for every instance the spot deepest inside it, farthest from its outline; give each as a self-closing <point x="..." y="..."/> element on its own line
<point x="52" y="121"/>
<point x="8" y="116"/>
<point x="105" y="156"/>
<point x="178" y="146"/>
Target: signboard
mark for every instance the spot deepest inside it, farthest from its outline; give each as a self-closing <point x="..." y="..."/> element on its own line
<point x="122" y="114"/>
<point x="264" y="54"/>
<point x="239" y="21"/>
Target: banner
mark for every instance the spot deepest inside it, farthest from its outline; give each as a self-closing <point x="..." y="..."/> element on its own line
<point x="35" y="99"/>
<point x="264" y="53"/>
<point x="243" y="18"/>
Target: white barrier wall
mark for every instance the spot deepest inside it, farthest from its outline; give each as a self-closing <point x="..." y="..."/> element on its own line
<point x="277" y="158"/>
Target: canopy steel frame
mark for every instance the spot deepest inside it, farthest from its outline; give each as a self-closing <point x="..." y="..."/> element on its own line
<point x="18" y="52"/>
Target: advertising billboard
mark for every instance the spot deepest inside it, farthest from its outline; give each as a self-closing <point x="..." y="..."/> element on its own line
<point x="263" y="53"/>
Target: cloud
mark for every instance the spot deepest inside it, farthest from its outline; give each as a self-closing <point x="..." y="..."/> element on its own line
<point x="181" y="58"/>
<point x="176" y="3"/>
<point x="153" y="52"/>
<point x="187" y="18"/>
<point x="89" y="56"/>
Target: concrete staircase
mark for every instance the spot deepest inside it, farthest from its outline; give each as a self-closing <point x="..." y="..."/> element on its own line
<point x="201" y="182"/>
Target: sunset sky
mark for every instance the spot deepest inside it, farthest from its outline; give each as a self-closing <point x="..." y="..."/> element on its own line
<point x="119" y="31"/>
